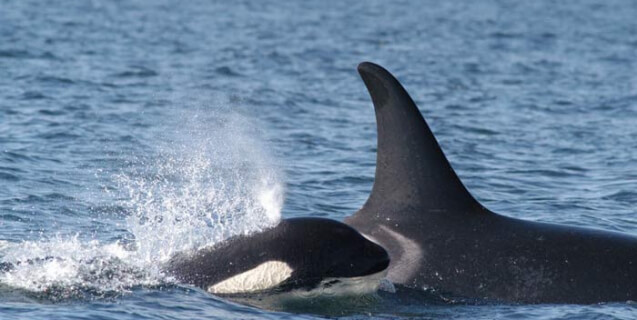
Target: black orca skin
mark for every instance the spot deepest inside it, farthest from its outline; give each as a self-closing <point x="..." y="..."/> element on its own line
<point x="438" y="236"/>
<point x="314" y="248"/>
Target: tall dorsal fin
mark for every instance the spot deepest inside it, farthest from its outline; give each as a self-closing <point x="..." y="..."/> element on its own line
<point x="413" y="175"/>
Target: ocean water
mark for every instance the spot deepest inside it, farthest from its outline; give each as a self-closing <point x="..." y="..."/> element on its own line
<point x="130" y="130"/>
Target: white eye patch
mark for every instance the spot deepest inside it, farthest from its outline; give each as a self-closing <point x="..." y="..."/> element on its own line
<point x="263" y="277"/>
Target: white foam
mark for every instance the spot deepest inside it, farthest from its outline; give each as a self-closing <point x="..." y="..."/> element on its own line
<point x="39" y="266"/>
<point x="205" y="184"/>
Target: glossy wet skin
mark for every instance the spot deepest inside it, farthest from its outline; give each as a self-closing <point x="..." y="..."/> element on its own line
<point x="314" y="249"/>
<point x="439" y="236"/>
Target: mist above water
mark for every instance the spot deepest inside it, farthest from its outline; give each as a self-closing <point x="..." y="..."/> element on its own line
<point x="210" y="179"/>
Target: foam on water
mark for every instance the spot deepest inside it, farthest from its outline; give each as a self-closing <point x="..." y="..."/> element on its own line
<point x="65" y="268"/>
<point x="207" y="182"/>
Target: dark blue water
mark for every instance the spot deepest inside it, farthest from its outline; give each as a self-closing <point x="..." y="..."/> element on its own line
<point x="133" y="129"/>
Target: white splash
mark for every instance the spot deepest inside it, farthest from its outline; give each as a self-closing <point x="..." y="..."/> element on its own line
<point x="205" y="183"/>
<point x="215" y="184"/>
<point x="69" y="265"/>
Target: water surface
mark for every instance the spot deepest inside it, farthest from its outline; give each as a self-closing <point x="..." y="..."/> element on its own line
<point x="133" y="129"/>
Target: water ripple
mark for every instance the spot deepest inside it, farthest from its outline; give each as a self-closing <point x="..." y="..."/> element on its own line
<point x="533" y="102"/>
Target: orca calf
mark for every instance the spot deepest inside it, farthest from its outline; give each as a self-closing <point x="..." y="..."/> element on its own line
<point x="306" y="255"/>
<point x="439" y="237"/>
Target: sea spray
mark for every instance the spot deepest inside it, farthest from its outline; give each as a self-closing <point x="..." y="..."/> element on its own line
<point x="212" y="182"/>
<point x="210" y="179"/>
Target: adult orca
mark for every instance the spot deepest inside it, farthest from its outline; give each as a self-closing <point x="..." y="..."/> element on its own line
<point x="305" y="255"/>
<point x="439" y="237"/>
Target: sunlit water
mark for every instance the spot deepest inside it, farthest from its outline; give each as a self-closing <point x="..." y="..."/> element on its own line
<point x="133" y="130"/>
